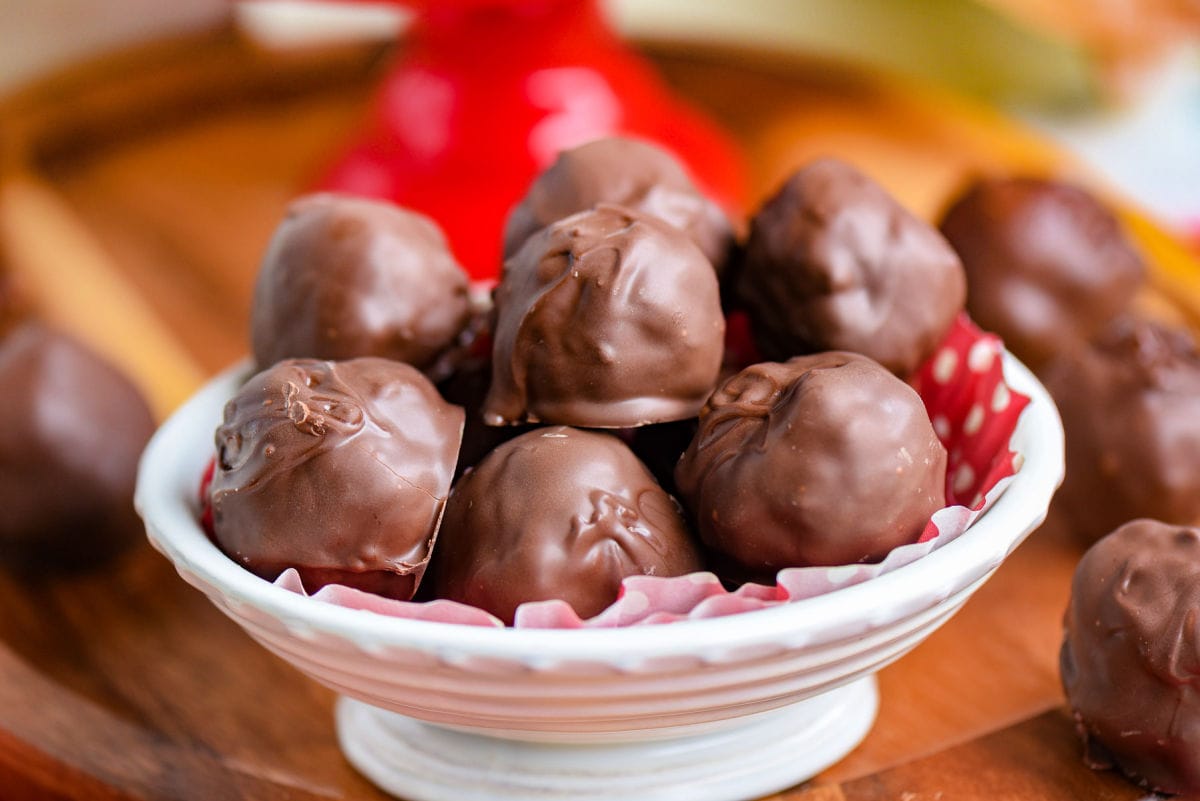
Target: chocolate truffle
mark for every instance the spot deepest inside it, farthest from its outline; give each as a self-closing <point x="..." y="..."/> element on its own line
<point x="608" y="318"/>
<point x="338" y="469"/>
<point x="345" y="277"/>
<point x="625" y="172"/>
<point x="834" y="263"/>
<point x="73" y="430"/>
<point x="822" y="460"/>
<point x="1130" y="658"/>
<point x="557" y="513"/>
<point x="1130" y="406"/>
<point x="1047" y="265"/>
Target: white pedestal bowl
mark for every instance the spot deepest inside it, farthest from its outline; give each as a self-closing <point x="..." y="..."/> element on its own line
<point x="720" y="709"/>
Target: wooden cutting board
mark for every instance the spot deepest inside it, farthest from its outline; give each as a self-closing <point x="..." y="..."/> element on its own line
<point x="136" y="195"/>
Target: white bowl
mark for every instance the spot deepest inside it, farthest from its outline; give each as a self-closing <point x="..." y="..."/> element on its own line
<point x="724" y="708"/>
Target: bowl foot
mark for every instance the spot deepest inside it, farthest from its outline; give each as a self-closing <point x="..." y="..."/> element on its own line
<point x="753" y="757"/>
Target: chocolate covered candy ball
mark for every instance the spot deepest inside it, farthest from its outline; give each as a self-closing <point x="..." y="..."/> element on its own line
<point x="834" y="263"/>
<point x="74" y="428"/>
<point x="608" y="318"/>
<point x="625" y="172"/>
<point x="557" y="513"/>
<point x="345" y="277"/>
<point x="337" y="469"/>
<point x="1130" y="406"/>
<point x="1047" y="265"/>
<point x="1130" y="658"/>
<point x="822" y="460"/>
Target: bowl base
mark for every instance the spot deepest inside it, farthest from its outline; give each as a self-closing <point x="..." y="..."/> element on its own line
<point x="754" y="756"/>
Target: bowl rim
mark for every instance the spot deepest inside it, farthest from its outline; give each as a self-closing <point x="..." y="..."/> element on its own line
<point x="166" y="498"/>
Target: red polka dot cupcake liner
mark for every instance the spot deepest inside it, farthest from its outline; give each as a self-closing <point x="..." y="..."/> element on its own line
<point x="974" y="413"/>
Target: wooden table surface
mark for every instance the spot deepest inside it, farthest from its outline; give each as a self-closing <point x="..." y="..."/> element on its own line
<point x="137" y="195"/>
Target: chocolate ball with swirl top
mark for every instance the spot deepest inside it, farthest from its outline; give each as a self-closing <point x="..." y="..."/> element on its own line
<point x="1130" y="406"/>
<point x="345" y="277"/>
<point x="74" y="428"/>
<point x="557" y="513"/>
<point x="606" y="319"/>
<point x="1047" y="265"/>
<point x="822" y="460"/>
<point x="833" y="262"/>
<point x="1130" y="658"/>
<point x="625" y="172"/>
<point x="337" y="469"/>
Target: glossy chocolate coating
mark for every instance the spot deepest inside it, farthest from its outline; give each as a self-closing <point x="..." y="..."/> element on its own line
<point x="557" y="513"/>
<point x="1130" y="406"/>
<point x="835" y="263"/>
<point x="74" y="428"/>
<point x="1130" y="659"/>
<point x="345" y="277"/>
<point x="1047" y="266"/>
<point x="822" y="460"/>
<point x="606" y="319"/>
<point x="625" y="172"/>
<point x="338" y="469"/>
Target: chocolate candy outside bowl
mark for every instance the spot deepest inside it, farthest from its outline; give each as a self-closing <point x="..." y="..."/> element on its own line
<point x="719" y="709"/>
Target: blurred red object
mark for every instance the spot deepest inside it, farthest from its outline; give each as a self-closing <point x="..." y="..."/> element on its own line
<point x="486" y="94"/>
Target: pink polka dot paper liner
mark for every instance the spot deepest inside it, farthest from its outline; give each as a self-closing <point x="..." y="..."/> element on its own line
<point x="974" y="413"/>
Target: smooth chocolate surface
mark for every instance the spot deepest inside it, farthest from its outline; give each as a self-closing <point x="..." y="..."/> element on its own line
<point x="606" y="319"/>
<point x="1130" y="405"/>
<point x="835" y="263"/>
<point x="625" y="172"/>
<point x="338" y="469"/>
<point x="823" y="460"/>
<point x="1047" y="265"/>
<point x="557" y="513"/>
<point x="74" y="428"/>
<point x="1130" y="659"/>
<point x="345" y="277"/>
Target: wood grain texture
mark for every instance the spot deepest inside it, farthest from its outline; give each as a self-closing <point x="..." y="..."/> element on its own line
<point x="176" y="161"/>
<point x="126" y="680"/>
<point x="1036" y="760"/>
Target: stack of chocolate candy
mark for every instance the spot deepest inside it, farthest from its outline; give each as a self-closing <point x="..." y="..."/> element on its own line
<point x="1050" y="269"/>
<point x="607" y="354"/>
